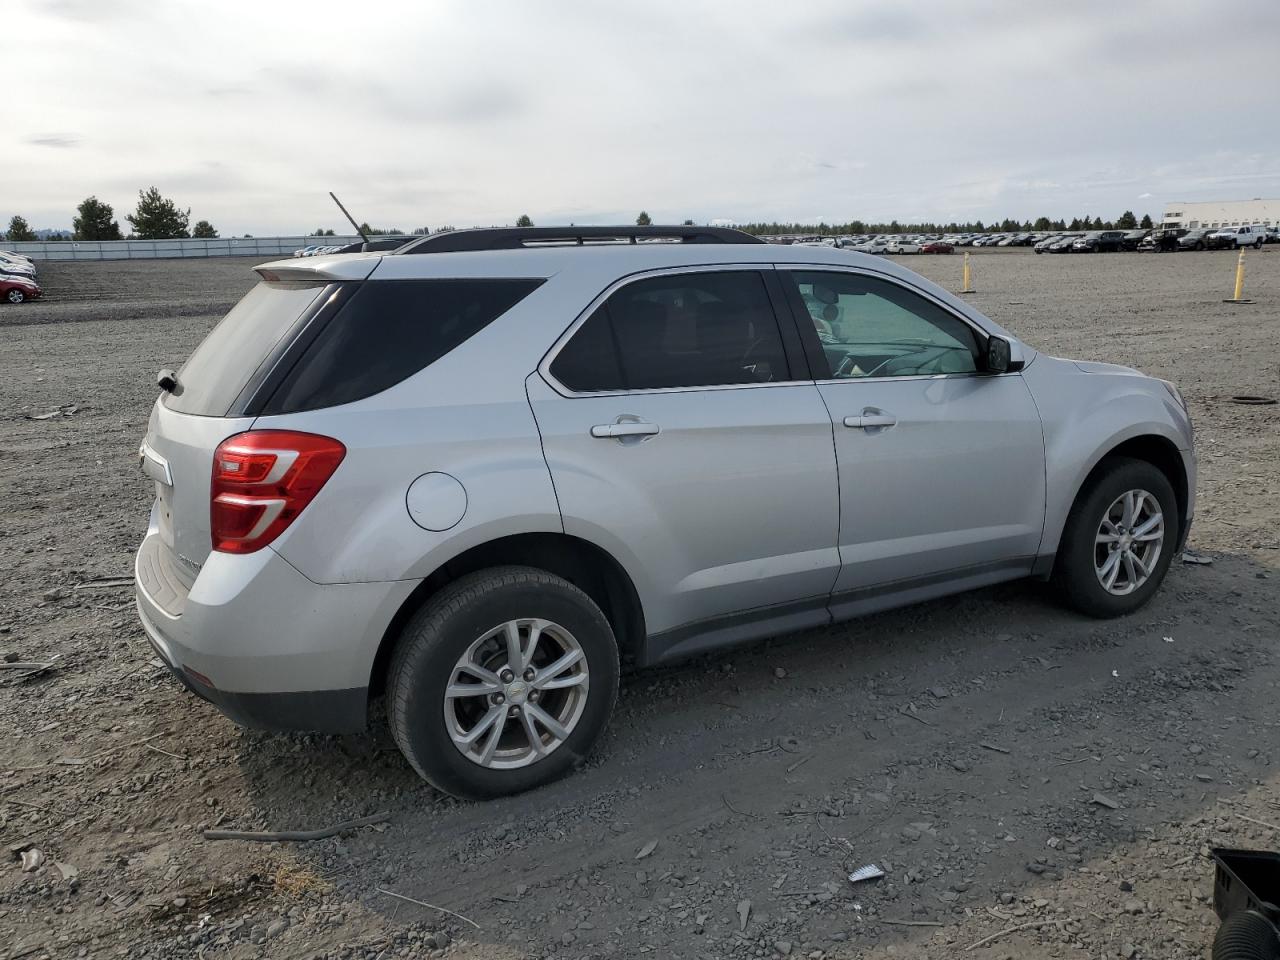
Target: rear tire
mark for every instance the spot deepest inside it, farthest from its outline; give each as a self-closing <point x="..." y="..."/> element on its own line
<point x="432" y="711"/>
<point x="1086" y="574"/>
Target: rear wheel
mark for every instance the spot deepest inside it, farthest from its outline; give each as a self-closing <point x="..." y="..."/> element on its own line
<point x="15" y="296"/>
<point x="502" y="682"/>
<point x="1118" y="540"/>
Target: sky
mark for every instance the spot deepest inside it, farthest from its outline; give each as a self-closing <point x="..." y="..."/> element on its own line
<point x="431" y="112"/>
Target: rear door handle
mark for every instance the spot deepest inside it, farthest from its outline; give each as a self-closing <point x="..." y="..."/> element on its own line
<point x="871" y="419"/>
<point x="626" y="428"/>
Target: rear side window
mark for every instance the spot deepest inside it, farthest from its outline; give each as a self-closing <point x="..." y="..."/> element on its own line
<point x="215" y="374"/>
<point x="388" y="331"/>
<point x="683" y="330"/>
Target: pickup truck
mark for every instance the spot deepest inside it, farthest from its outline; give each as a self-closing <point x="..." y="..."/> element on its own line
<point x="1233" y="237"/>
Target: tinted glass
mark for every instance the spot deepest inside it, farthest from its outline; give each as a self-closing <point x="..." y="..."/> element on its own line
<point x="875" y="328"/>
<point x="388" y="331"/>
<point x="686" y="330"/>
<point x="223" y="363"/>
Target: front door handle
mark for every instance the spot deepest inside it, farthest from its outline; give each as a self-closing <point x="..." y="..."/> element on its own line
<point x="625" y="428"/>
<point x="871" y="419"/>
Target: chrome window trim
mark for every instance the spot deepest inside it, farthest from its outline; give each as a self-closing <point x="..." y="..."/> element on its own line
<point x="544" y="367"/>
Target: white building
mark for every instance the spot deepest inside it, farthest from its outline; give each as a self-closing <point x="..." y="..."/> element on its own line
<point x="1222" y="213"/>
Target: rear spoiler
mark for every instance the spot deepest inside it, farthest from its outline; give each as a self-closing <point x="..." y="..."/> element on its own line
<point x="330" y="267"/>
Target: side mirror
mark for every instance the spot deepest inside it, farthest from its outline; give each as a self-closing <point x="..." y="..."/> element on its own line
<point x="999" y="356"/>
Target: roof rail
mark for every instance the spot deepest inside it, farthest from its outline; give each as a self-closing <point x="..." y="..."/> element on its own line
<point x="519" y="238"/>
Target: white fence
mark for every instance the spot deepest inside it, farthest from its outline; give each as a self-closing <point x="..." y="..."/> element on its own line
<point x="157" y="249"/>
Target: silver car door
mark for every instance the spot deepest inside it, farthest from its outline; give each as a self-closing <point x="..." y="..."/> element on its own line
<point x="679" y="440"/>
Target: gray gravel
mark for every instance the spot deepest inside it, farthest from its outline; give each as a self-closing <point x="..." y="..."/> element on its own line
<point x="957" y="745"/>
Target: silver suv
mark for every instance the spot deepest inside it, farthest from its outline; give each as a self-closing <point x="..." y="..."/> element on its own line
<point x="484" y="471"/>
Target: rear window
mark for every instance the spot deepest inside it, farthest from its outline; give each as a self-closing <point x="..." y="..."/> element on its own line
<point x="221" y="366"/>
<point x="388" y="331"/>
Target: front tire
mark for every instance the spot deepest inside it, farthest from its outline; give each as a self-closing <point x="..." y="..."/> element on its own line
<point x="15" y="296"/>
<point x="1119" y="539"/>
<point x="502" y="682"/>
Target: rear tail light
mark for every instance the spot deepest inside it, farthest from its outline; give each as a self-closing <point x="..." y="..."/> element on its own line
<point x="262" y="480"/>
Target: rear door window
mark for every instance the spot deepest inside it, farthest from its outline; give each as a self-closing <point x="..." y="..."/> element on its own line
<point x="386" y="332"/>
<point x="220" y="367"/>
<point x="682" y="330"/>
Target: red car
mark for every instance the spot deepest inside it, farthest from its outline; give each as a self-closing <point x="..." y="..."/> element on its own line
<point x="16" y="289"/>
<point x="937" y="246"/>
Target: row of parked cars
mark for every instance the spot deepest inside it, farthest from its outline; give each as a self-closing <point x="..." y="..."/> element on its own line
<point x="1093" y="241"/>
<point x="18" y="282"/>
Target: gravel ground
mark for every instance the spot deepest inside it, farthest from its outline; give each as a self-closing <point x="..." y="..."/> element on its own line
<point x="1032" y="783"/>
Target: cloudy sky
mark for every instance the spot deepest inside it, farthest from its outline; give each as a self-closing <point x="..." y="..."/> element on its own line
<point x="430" y="112"/>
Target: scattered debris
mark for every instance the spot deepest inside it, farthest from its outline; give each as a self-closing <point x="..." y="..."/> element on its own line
<point x="744" y="914"/>
<point x="991" y="746"/>
<point x="1115" y="673"/>
<point x="1244" y="399"/>
<point x="1168" y="639"/>
<point x="105" y="583"/>
<point x="647" y="849"/>
<point x="1007" y="930"/>
<point x="429" y="906"/>
<point x="799" y="763"/>
<point x="789" y="744"/>
<point x="780" y="673"/>
<point x="1102" y="800"/>
<point x="910" y="923"/>
<point x="1196" y="558"/>
<point x="32" y="860"/>
<point x="66" y="870"/>
<point x="869" y="872"/>
<point x="32" y="669"/>
<point x="1261" y="823"/>
<point x="298" y="835"/>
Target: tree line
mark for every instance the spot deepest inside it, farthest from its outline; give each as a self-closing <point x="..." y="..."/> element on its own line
<point x="1126" y="221"/>
<point x="154" y="218"/>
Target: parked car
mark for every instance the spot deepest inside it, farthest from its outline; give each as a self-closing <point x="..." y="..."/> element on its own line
<point x="1222" y="239"/>
<point x="1246" y="236"/>
<point x="875" y="245"/>
<point x="1099" y="241"/>
<point x="16" y="288"/>
<point x="1162" y="241"/>
<point x="16" y="263"/>
<point x="1132" y="238"/>
<point x="902" y="246"/>
<point x="1045" y="243"/>
<point x="484" y="515"/>
<point x="1063" y="244"/>
<point x="1192" y="240"/>
<point x="1272" y="235"/>
<point x="937" y="246"/>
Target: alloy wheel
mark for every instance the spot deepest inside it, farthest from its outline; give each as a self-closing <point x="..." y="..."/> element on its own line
<point x="516" y="694"/>
<point x="1128" y="542"/>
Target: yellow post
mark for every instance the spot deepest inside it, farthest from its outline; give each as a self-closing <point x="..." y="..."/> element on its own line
<point x="1238" y="297"/>
<point x="968" y="287"/>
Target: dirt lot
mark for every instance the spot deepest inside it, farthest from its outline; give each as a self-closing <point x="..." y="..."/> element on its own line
<point x="1034" y="784"/>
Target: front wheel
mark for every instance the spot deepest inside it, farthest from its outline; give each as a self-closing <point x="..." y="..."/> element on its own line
<point x="15" y="296"/>
<point x="1118" y="540"/>
<point x="502" y="682"/>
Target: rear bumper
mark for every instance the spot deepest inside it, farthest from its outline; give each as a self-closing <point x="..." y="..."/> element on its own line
<point x="319" y="711"/>
<point x="264" y="644"/>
